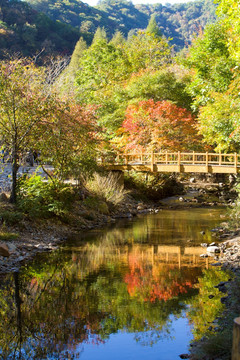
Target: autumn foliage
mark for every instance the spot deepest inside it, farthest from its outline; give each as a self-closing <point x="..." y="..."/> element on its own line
<point x="159" y="125"/>
<point x="158" y="283"/>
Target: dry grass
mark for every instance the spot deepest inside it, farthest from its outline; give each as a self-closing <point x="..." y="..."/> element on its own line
<point x="107" y="188"/>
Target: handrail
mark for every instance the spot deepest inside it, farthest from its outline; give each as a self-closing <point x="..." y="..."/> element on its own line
<point x="178" y="159"/>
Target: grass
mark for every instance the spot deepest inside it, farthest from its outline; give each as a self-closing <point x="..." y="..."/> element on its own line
<point x="107" y="188"/>
<point x="6" y="236"/>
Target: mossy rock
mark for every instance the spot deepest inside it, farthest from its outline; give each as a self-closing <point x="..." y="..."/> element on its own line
<point x="103" y="208"/>
<point x="96" y="204"/>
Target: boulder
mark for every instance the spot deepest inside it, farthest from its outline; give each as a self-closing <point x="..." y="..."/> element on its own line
<point x="4" y="251"/>
<point x="184" y="356"/>
<point x="213" y="249"/>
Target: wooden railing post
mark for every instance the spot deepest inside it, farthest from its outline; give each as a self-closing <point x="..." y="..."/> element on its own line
<point x="207" y="162"/>
<point x="220" y="158"/>
<point x="193" y="157"/>
<point x="166" y="157"/>
<point x="235" y="161"/>
<point x="179" y="161"/>
<point x="126" y="159"/>
<point x="141" y="157"/>
<point x="236" y="339"/>
<point x="152" y="161"/>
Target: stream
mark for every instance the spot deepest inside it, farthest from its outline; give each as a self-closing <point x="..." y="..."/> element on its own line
<point x="135" y="290"/>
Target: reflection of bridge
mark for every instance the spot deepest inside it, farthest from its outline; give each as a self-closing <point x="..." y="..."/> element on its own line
<point x="169" y="254"/>
<point x="176" y="162"/>
<point x="154" y="254"/>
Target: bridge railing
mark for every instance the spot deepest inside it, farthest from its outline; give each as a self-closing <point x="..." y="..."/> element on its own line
<point x="180" y="158"/>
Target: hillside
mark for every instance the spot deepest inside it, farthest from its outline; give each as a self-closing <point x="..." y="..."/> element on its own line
<point x="55" y="26"/>
<point x="25" y="31"/>
<point x="179" y="21"/>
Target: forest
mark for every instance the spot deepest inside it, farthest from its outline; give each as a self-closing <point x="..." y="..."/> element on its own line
<point x="71" y="97"/>
<point x="119" y="94"/>
<point x="55" y="26"/>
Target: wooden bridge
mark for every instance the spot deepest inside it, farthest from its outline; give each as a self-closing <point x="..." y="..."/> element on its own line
<point x="180" y="162"/>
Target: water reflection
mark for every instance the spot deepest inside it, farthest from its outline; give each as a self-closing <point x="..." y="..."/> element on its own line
<point x="127" y="281"/>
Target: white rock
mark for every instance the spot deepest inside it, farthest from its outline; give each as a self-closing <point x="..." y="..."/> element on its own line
<point x="213" y="244"/>
<point x="213" y="249"/>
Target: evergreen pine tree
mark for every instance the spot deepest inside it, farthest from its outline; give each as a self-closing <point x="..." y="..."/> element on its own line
<point x="80" y="47"/>
<point x="100" y="34"/>
<point x="118" y="39"/>
<point x="153" y="28"/>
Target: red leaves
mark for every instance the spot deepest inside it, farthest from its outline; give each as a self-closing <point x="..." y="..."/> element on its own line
<point x="159" y="125"/>
<point x="162" y="282"/>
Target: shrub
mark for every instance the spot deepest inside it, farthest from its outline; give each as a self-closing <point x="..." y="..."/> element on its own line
<point x="39" y="198"/>
<point x="11" y="217"/>
<point x="107" y="188"/>
<point x="151" y="186"/>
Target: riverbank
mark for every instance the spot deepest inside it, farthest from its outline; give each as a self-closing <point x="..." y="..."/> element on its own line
<point x="218" y="344"/>
<point x="29" y="237"/>
<point x="22" y="237"/>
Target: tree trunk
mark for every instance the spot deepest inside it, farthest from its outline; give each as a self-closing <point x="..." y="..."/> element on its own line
<point x="15" y="167"/>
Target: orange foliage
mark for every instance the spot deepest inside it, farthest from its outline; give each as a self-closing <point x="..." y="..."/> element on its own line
<point x="159" y="283"/>
<point x="159" y="125"/>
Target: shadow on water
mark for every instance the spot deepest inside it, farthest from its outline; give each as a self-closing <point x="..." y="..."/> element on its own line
<point x="129" y="292"/>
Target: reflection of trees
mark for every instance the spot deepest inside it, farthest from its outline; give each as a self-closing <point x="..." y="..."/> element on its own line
<point x="70" y="299"/>
<point x="158" y="281"/>
<point x="86" y="292"/>
<point x="204" y="310"/>
<point x="167" y="228"/>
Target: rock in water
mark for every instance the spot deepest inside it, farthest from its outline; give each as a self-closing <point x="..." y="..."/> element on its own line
<point x="213" y="249"/>
<point x="184" y="356"/>
<point x="4" y="251"/>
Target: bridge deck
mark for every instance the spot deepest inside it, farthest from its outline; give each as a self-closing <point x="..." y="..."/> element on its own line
<point x="177" y="162"/>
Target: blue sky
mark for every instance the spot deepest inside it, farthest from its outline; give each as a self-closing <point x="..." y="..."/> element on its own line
<point x="94" y="2"/>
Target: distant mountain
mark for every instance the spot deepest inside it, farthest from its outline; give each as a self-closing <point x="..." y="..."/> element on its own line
<point x="75" y="13"/>
<point x="181" y="21"/>
<point x="56" y="25"/>
<point x="178" y="21"/>
<point x="25" y="31"/>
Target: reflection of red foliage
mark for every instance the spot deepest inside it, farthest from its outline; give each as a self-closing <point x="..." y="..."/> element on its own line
<point x="151" y="284"/>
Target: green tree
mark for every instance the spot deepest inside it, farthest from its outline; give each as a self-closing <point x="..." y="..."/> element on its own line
<point x="118" y="39"/>
<point x="79" y="49"/>
<point x="210" y="60"/>
<point x="219" y="122"/>
<point x="228" y="10"/>
<point x="73" y="136"/>
<point x="147" y="51"/>
<point x="101" y="66"/>
<point x="24" y="104"/>
<point x="153" y="28"/>
<point x="66" y="81"/>
<point x="100" y="34"/>
<point x="164" y="84"/>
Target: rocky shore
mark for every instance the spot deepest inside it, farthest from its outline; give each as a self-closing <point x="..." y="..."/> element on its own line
<point x="227" y="257"/>
<point x="41" y="236"/>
